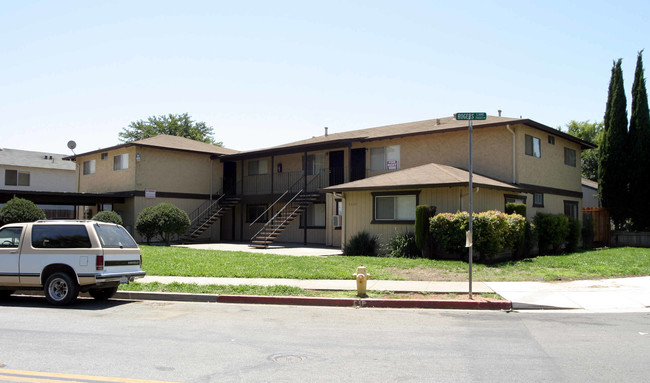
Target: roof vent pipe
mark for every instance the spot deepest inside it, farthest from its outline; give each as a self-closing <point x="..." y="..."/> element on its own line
<point x="437" y="121"/>
<point x="499" y="112"/>
<point x="326" y="131"/>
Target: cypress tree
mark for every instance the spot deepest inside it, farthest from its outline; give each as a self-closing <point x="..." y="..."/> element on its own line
<point x="639" y="151"/>
<point x="612" y="165"/>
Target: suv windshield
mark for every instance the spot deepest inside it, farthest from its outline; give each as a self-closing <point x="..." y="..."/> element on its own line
<point x="114" y="236"/>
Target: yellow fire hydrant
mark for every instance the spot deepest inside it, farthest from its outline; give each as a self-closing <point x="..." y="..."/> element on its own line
<point x="362" y="279"/>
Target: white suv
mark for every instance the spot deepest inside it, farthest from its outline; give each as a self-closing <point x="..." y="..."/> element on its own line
<point x="65" y="257"/>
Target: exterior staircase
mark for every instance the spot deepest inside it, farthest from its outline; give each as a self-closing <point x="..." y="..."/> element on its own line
<point x="207" y="214"/>
<point x="281" y="220"/>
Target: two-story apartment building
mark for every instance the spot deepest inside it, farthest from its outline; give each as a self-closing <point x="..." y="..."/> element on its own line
<point x="325" y="189"/>
<point x="372" y="179"/>
<point x="45" y="178"/>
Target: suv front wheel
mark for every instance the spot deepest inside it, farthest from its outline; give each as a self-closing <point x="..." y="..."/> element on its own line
<point x="61" y="289"/>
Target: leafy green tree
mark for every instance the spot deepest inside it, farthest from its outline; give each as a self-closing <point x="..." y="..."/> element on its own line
<point x="639" y="151"/>
<point x="108" y="216"/>
<point x="591" y="132"/>
<point x="612" y="164"/>
<point x="146" y="225"/>
<point x="20" y="210"/>
<point x="171" y="124"/>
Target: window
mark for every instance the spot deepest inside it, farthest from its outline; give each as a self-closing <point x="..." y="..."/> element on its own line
<point x="16" y="178"/>
<point x="254" y="211"/>
<point x="10" y="236"/>
<point x="533" y="146"/>
<point x="385" y="158"/>
<point x="121" y="162"/>
<point x="104" y="156"/>
<point x="399" y="207"/>
<point x="89" y="167"/>
<point x="339" y="207"/>
<point x="571" y="209"/>
<point x="570" y="157"/>
<point x="315" y="214"/>
<point x="315" y="164"/>
<point x="538" y="200"/>
<point x="258" y="167"/>
<point x="60" y="236"/>
<point x="510" y="198"/>
<point x="114" y="237"/>
<point x="551" y="140"/>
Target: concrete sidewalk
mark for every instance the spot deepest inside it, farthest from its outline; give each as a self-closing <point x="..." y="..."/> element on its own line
<point x="608" y="295"/>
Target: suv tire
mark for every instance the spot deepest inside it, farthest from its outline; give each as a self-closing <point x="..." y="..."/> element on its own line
<point x="61" y="289"/>
<point x="103" y="294"/>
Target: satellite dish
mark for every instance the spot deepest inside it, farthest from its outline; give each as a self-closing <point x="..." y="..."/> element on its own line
<point x="72" y="145"/>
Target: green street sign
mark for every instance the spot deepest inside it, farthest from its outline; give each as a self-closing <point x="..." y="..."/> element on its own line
<point x="470" y="116"/>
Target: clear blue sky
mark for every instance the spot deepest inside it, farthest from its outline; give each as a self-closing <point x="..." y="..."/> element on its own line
<point x="263" y="73"/>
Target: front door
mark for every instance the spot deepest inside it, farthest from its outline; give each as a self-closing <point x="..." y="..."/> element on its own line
<point x="358" y="164"/>
<point x="336" y="168"/>
<point x="230" y="178"/>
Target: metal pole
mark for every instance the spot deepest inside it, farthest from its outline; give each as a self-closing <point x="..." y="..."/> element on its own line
<point x="471" y="209"/>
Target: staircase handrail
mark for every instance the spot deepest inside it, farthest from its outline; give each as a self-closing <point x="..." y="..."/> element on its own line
<point x="269" y="208"/>
<point x="203" y="208"/>
<point x="276" y="214"/>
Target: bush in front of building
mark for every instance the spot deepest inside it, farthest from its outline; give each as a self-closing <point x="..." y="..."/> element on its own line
<point x="552" y="232"/>
<point x="403" y="246"/>
<point x="516" y="208"/>
<point x="162" y="220"/>
<point x="20" y="210"/>
<point x="573" y="237"/>
<point x="108" y="216"/>
<point x="362" y="243"/>
<point x="494" y="232"/>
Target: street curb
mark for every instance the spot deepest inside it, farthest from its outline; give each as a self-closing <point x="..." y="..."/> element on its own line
<point x="318" y="301"/>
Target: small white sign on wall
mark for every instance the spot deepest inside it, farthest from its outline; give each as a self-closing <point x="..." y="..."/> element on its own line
<point x="149" y="193"/>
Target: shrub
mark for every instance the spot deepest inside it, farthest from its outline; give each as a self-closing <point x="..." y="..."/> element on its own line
<point x="171" y="220"/>
<point x="20" y="210"/>
<point x="361" y="243"/>
<point x="573" y="236"/>
<point x="108" y="216"/>
<point x="552" y="231"/>
<point x="449" y="231"/>
<point x="494" y="232"/>
<point x="403" y="246"/>
<point x="516" y="208"/>
<point x="421" y="225"/>
<point x="146" y="224"/>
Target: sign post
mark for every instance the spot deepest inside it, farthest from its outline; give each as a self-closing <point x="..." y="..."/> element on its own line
<point x="469" y="235"/>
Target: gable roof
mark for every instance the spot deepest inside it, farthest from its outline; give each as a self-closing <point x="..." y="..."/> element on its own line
<point x="424" y="176"/>
<point x="164" y="141"/>
<point x="445" y="124"/>
<point x="30" y="159"/>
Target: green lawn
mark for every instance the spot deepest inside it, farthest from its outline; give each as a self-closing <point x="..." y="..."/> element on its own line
<point x="606" y="263"/>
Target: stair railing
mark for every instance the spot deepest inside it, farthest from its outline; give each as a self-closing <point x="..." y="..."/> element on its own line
<point x="276" y="215"/>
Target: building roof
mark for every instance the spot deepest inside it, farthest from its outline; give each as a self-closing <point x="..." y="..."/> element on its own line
<point x="29" y="159"/>
<point x="445" y="124"/>
<point x="164" y="141"/>
<point x="590" y="184"/>
<point x="424" y="176"/>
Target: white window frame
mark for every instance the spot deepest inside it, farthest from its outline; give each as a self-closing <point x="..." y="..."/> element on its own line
<point x="258" y="167"/>
<point x="22" y="178"/>
<point x="533" y="146"/>
<point x="89" y="167"/>
<point x="121" y="161"/>
<point x="403" y="206"/>
<point x="385" y="158"/>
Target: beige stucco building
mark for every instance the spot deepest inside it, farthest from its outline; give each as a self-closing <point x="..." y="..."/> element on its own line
<point x="325" y="189"/>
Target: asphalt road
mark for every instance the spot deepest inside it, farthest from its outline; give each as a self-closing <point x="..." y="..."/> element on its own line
<point x="207" y="342"/>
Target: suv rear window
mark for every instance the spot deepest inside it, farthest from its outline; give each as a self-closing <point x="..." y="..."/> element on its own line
<point x="60" y="236"/>
<point x="114" y="236"/>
